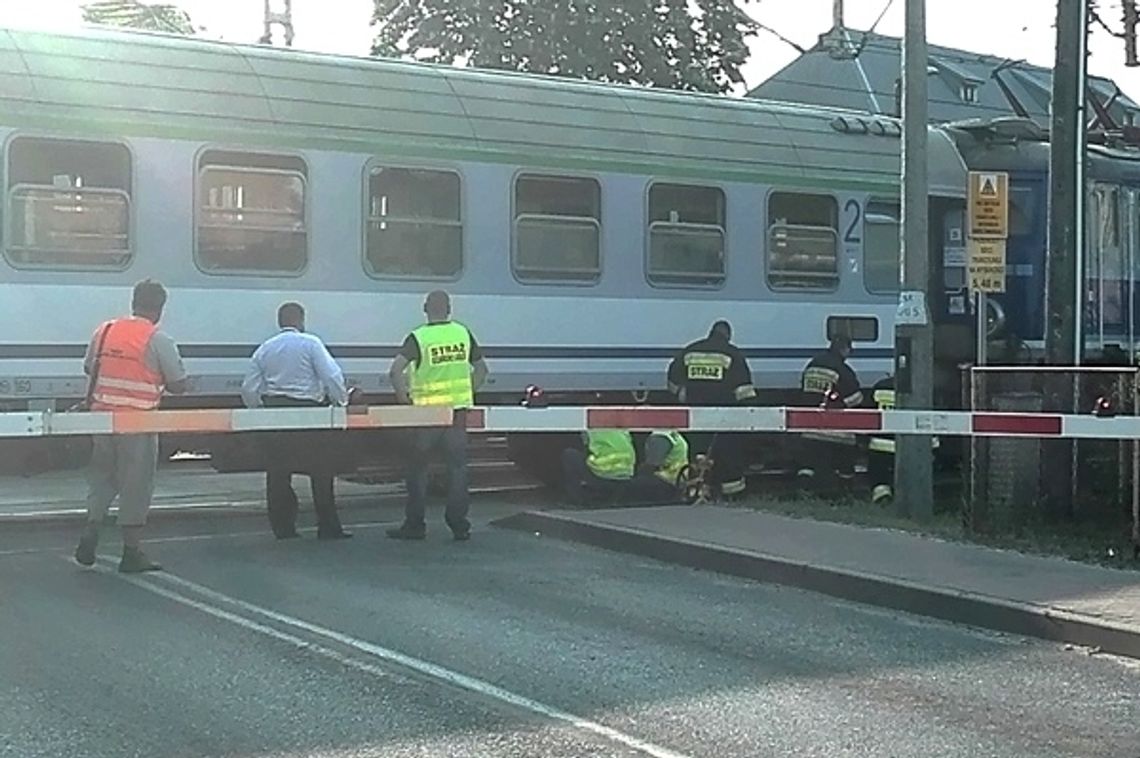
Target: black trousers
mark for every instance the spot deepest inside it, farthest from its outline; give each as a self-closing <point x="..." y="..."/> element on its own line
<point x="880" y="468"/>
<point x="727" y="451"/>
<point x="298" y="452"/>
<point x="584" y="487"/>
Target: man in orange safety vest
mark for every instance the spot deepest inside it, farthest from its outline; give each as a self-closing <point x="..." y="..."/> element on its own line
<point x="129" y="364"/>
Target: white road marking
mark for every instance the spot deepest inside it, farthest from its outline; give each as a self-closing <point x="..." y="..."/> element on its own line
<point x="425" y="668"/>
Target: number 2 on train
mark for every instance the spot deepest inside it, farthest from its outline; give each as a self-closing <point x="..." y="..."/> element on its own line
<point x="852" y="233"/>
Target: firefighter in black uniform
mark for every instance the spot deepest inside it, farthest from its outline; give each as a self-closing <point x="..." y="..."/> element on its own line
<point x="828" y="381"/>
<point x="828" y="374"/>
<point x="881" y="447"/>
<point x="713" y="372"/>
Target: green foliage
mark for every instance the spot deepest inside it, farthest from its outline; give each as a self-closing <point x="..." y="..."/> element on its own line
<point x="155" y="17"/>
<point x="678" y="44"/>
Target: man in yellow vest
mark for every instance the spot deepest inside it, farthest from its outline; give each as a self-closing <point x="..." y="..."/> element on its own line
<point x="603" y="469"/>
<point x="440" y="363"/>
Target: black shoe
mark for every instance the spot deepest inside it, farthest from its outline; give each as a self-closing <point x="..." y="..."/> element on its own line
<point x="405" y="532"/>
<point x="339" y="534"/>
<point x="134" y="561"/>
<point x="85" y="552"/>
<point x="462" y="536"/>
<point x="290" y="535"/>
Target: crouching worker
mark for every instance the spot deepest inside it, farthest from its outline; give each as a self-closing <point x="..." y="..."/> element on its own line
<point x="881" y="447"/>
<point x="601" y="472"/>
<point x="658" y="479"/>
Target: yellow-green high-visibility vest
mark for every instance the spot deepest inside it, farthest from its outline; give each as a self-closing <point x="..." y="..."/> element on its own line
<point x="677" y="458"/>
<point x="610" y="453"/>
<point x="443" y="376"/>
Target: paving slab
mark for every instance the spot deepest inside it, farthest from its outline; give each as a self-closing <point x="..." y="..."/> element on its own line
<point x="1005" y="590"/>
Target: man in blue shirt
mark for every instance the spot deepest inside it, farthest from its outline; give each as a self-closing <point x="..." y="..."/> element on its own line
<point x="295" y="369"/>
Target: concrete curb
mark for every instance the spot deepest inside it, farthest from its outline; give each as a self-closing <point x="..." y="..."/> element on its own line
<point x="956" y="606"/>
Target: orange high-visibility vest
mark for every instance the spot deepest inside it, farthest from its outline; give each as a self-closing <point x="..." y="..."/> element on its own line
<point x="124" y="382"/>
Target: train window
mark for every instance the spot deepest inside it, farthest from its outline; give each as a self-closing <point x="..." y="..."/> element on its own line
<point x="557" y="229"/>
<point x="414" y="226"/>
<point x="858" y="328"/>
<point x="69" y="204"/>
<point x="803" y="241"/>
<point x="881" y="247"/>
<point x="686" y="234"/>
<point x="251" y="213"/>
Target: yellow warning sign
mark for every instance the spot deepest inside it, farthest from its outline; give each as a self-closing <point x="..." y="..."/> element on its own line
<point x="989" y="205"/>
<point x="987" y="266"/>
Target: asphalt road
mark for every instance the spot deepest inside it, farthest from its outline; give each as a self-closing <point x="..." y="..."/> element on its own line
<point x="509" y="645"/>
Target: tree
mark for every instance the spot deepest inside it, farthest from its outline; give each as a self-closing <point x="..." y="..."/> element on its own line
<point x="155" y="17"/>
<point x="678" y="44"/>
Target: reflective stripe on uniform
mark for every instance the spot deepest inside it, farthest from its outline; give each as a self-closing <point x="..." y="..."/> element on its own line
<point x="881" y="445"/>
<point x="745" y="392"/>
<point x="706" y="367"/>
<point x="735" y="487"/>
<point x="819" y="380"/>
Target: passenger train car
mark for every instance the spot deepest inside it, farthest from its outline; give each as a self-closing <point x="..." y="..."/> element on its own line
<point x="586" y="231"/>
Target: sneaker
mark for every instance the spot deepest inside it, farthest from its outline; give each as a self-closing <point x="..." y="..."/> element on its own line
<point x="339" y="534"/>
<point x="85" y="552"/>
<point x="405" y="532"/>
<point x="462" y="536"/>
<point x="134" y="561"/>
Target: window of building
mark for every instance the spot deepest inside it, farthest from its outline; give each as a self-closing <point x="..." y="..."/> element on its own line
<point x="251" y="213"/>
<point x="881" y="247"/>
<point x="69" y="204"/>
<point x="686" y="234"/>
<point x="414" y="225"/>
<point x="803" y="241"/>
<point x="968" y="92"/>
<point x="557" y="228"/>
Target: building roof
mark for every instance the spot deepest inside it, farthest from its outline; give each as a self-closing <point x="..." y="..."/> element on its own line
<point x="963" y="84"/>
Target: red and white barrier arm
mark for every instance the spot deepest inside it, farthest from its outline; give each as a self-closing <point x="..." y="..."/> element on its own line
<point x="503" y="419"/>
<point x="49" y="424"/>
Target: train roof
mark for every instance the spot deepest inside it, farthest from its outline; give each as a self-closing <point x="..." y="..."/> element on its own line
<point x="1017" y="144"/>
<point x="101" y="82"/>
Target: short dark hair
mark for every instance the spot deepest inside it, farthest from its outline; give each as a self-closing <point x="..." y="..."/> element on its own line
<point x="437" y="301"/>
<point x="723" y="327"/>
<point x="290" y="314"/>
<point x="149" y="297"/>
<point x="840" y="342"/>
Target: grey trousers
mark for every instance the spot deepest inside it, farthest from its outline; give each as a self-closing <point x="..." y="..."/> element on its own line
<point x="122" y="466"/>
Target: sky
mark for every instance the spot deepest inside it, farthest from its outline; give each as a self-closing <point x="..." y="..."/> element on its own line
<point x="1011" y="28"/>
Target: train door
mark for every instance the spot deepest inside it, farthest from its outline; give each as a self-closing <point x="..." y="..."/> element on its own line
<point x="1108" y="281"/>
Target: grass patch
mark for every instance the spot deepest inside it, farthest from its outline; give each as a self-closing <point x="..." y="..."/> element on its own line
<point x="1094" y="542"/>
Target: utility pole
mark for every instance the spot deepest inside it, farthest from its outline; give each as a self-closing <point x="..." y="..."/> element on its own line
<point x="914" y="333"/>
<point x="281" y="15"/>
<point x="1064" y="288"/>
<point x="1130" y="20"/>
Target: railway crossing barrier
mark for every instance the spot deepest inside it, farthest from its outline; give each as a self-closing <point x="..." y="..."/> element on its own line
<point x="504" y="419"/>
<point x="517" y="419"/>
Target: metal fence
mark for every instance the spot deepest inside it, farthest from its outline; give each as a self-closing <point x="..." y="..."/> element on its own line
<point x="1013" y="482"/>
